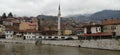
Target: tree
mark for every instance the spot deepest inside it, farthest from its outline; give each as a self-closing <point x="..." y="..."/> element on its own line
<point x="4" y="16"/>
<point x="10" y="15"/>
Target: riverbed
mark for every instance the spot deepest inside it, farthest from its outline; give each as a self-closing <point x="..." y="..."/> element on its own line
<point x="32" y="49"/>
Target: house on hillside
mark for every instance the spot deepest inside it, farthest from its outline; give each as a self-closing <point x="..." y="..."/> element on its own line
<point x="29" y="34"/>
<point x="9" y="33"/>
<point x="112" y="25"/>
<point x="95" y="31"/>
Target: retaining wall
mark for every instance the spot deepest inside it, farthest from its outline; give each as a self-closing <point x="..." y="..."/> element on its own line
<point x="62" y="42"/>
<point x="16" y="41"/>
<point x="110" y="44"/>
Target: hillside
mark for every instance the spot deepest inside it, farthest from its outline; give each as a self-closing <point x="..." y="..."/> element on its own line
<point x="98" y="16"/>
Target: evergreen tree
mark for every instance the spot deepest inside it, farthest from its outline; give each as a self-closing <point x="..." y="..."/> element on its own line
<point x="10" y="15"/>
<point x="4" y="16"/>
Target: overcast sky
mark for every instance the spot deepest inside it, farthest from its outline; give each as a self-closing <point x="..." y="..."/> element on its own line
<point x="50" y="7"/>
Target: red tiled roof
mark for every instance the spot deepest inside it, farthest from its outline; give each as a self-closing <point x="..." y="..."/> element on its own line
<point x="30" y="30"/>
<point x="32" y="24"/>
<point x="11" y="28"/>
<point x="98" y="34"/>
<point x="96" y="25"/>
<point x="111" y="21"/>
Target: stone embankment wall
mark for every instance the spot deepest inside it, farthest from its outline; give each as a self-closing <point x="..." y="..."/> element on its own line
<point x="16" y="41"/>
<point x="62" y="42"/>
<point x="110" y="44"/>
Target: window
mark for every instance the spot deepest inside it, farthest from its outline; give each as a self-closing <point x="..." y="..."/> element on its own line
<point x="40" y="37"/>
<point x="113" y="27"/>
<point x="11" y="35"/>
<point x="6" y="31"/>
<point x="56" y="37"/>
<point x="33" y="36"/>
<point x="105" y="28"/>
<point x="49" y="37"/>
<point x="96" y="29"/>
<point x="63" y="37"/>
<point x="99" y="29"/>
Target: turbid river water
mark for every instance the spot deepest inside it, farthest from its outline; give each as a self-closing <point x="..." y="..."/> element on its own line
<point x="31" y="49"/>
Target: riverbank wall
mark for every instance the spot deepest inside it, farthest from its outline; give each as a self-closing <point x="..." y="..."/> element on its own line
<point x="17" y="41"/>
<point x="62" y="42"/>
<point x="110" y="44"/>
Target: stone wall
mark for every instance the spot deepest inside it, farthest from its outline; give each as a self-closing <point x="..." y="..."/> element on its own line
<point x="16" y="41"/>
<point x="62" y="42"/>
<point x="110" y="44"/>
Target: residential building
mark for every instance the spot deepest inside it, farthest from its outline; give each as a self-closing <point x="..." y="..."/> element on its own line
<point x="28" y="25"/>
<point x="29" y="34"/>
<point x="2" y="28"/>
<point x="95" y="28"/>
<point x="9" y="34"/>
<point x="95" y="31"/>
<point x="112" y="25"/>
<point x="67" y="32"/>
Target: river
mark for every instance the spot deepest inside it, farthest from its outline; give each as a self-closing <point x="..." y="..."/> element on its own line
<point x="31" y="49"/>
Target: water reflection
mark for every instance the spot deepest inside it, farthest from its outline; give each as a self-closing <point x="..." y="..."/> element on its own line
<point x="31" y="49"/>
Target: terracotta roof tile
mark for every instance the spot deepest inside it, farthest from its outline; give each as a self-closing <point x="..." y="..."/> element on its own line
<point x="111" y="21"/>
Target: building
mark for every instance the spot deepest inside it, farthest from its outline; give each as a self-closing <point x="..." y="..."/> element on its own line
<point x="49" y="30"/>
<point x="67" y="32"/>
<point x="9" y="33"/>
<point x="29" y="34"/>
<point x="95" y="28"/>
<point x="28" y="25"/>
<point x="95" y="31"/>
<point x="28" y="29"/>
<point x="2" y="29"/>
<point x="112" y="25"/>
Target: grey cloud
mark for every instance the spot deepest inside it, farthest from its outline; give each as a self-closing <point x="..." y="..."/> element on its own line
<point x="49" y="7"/>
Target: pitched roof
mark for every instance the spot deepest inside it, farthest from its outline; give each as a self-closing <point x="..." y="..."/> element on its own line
<point x="29" y="30"/>
<point x="111" y="22"/>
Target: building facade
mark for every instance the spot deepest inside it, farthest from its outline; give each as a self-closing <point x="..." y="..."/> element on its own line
<point x="9" y="34"/>
<point x="112" y="25"/>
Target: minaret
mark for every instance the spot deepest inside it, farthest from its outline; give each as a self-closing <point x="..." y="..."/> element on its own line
<point x="59" y="20"/>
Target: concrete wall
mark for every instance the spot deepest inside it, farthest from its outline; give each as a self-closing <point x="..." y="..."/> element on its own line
<point x="110" y="44"/>
<point x="62" y="42"/>
<point x="16" y="41"/>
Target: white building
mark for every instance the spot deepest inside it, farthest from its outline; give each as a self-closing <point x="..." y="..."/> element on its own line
<point x="30" y="34"/>
<point x="88" y="29"/>
<point x="9" y="34"/>
<point x="59" y="37"/>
